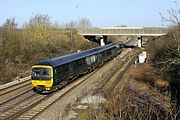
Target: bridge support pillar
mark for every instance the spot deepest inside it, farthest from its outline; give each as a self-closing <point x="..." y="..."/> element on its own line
<point x="103" y="40"/>
<point x="140" y="41"/>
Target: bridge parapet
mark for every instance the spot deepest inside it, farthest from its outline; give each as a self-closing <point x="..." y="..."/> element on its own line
<point x="126" y="31"/>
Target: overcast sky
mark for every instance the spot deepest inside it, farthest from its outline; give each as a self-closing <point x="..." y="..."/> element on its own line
<point x="101" y="13"/>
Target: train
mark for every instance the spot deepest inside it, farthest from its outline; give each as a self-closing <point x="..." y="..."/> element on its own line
<point x="50" y="75"/>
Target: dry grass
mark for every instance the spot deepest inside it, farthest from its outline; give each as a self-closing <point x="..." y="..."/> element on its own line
<point x="139" y="100"/>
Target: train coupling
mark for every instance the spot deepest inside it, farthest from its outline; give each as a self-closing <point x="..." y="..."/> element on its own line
<point x="41" y="88"/>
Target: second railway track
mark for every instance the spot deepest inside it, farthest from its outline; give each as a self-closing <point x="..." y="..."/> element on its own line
<point x="12" y="86"/>
<point x="13" y="90"/>
<point x="15" y="100"/>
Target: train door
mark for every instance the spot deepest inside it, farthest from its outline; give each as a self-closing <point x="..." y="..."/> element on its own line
<point x="70" y="70"/>
<point x="56" y="76"/>
<point x="65" y="70"/>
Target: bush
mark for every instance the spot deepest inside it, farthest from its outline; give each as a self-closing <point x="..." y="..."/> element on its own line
<point x="37" y="40"/>
<point x="131" y="106"/>
<point x="165" y="54"/>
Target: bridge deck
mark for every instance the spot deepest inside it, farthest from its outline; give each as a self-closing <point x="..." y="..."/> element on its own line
<point x="125" y="31"/>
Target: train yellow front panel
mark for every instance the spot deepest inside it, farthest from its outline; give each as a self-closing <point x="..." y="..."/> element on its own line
<point x="46" y="83"/>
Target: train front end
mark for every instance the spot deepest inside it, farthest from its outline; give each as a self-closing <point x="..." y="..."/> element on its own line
<point x="42" y="78"/>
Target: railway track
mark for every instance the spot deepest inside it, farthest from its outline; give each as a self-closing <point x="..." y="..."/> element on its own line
<point x="38" y="109"/>
<point x="15" y="100"/>
<point x="131" y="42"/>
<point x="18" y="109"/>
<point x="28" y="104"/>
<point x="12" y="86"/>
<point x="11" y="90"/>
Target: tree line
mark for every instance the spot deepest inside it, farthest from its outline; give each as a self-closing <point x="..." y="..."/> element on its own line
<point x="36" y="40"/>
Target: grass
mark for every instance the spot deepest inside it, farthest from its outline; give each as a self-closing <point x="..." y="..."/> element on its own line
<point x="84" y="115"/>
<point x="116" y="75"/>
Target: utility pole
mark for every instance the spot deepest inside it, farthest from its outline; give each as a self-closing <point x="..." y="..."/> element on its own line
<point x="78" y="16"/>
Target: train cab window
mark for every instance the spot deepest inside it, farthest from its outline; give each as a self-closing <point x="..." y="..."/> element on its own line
<point x="46" y="71"/>
<point x="41" y="74"/>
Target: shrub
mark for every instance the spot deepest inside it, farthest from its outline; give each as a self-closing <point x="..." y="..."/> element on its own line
<point x="37" y="40"/>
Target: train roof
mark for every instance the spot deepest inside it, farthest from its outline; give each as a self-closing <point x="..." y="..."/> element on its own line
<point x="75" y="56"/>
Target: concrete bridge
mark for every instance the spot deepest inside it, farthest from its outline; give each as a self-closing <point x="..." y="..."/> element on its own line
<point x="128" y="31"/>
<point x="91" y="34"/>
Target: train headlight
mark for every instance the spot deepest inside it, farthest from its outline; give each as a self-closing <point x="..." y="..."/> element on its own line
<point x="48" y="82"/>
<point x="33" y="82"/>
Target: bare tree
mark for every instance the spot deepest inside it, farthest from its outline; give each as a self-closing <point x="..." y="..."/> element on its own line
<point x="174" y="21"/>
<point x="166" y="50"/>
<point x="173" y="18"/>
<point x="167" y="55"/>
<point x="71" y="28"/>
<point x="85" y="23"/>
<point x="10" y="23"/>
<point x="39" y="20"/>
<point x="40" y="27"/>
<point x="71" y="25"/>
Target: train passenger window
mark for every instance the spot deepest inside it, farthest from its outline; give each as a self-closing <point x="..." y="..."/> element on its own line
<point x="65" y="68"/>
<point x="74" y="64"/>
<point x="80" y="62"/>
<point x="60" y="69"/>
